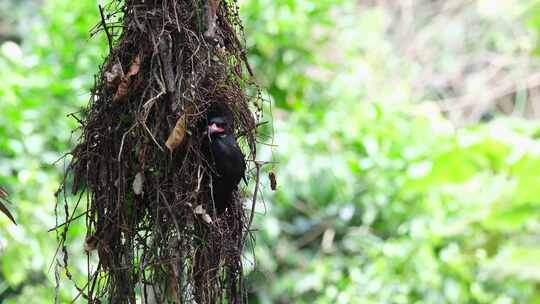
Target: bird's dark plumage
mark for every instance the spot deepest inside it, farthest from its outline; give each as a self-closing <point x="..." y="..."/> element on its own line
<point x="228" y="159"/>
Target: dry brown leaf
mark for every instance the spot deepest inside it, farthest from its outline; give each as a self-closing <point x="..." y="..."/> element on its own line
<point x="207" y="218"/>
<point x="3" y="208"/>
<point x="138" y="183"/>
<point x="122" y="89"/>
<point x="91" y="243"/>
<point x="179" y="132"/>
<point x="273" y="181"/>
<point x="135" y="66"/>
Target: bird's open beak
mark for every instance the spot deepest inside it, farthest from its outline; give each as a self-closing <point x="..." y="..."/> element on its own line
<point x="213" y="128"/>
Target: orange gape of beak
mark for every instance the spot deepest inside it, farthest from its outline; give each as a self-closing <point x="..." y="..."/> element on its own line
<point x="213" y="128"/>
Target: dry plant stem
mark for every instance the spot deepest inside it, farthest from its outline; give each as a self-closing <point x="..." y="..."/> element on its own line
<point x="105" y="29"/>
<point x="258" y="165"/>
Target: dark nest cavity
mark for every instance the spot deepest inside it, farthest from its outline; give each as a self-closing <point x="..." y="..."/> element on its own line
<point x="152" y="233"/>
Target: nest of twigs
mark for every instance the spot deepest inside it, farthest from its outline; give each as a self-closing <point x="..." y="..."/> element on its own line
<point x="151" y="227"/>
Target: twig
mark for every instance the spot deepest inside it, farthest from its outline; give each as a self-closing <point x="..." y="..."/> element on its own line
<point x="104" y="23"/>
<point x="67" y="222"/>
<point x="258" y="165"/>
<point x="123" y="139"/>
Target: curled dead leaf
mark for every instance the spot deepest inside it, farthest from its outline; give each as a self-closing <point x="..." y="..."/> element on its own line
<point x="273" y="181"/>
<point x="199" y="210"/>
<point x="202" y="212"/>
<point x="135" y="66"/>
<point x="90" y="243"/>
<point x="122" y="89"/>
<point x="138" y="183"/>
<point x="3" y="208"/>
<point x="179" y="132"/>
<point x="177" y="135"/>
<point x="207" y="218"/>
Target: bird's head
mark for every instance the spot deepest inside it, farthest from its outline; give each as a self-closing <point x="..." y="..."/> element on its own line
<point x="218" y="126"/>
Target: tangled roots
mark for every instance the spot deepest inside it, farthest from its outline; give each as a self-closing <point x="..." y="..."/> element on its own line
<point x="151" y="226"/>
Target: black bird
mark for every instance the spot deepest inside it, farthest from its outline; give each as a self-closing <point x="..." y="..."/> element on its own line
<point x="229" y="161"/>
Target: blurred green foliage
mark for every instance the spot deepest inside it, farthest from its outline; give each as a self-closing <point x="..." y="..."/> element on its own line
<point x="43" y="80"/>
<point x="380" y="199"/>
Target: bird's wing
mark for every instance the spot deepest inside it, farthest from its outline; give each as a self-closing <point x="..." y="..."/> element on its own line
<point x="241" y="159"/>
<point x="229" y="158"/>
